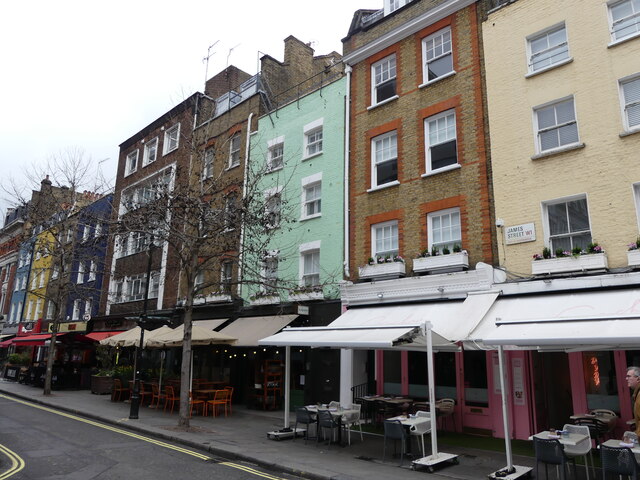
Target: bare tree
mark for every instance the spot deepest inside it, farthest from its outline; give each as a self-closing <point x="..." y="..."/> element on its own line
<point x="66" y="184"/>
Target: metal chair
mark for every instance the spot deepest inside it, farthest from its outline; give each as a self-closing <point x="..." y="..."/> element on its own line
<point x="220" y="399"/>
<point x="550" y="452"/>
<point x="118" y="391"/>
<point x="353" y="420"/>
<point x="445" y="408"/>
<point x="581" y="449"/>
<point x="421" y="429"/>
<point x="157" y="396"/>
<point x="619" y="461"/>
<point x="304" y="417"/>
<point x="603" y="411"/>
<point x="394" y="430"/>
<point x="229" y="399"/>
<point x="326" y="420"/>
<point x="597" y="428"/>
<point x="170" y="396"/>
<point x="195" y="402"/>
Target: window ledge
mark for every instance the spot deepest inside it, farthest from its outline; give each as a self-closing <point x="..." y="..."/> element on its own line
<point x="276" y="169"/>
<point x="164" y="154"/>
<point x="550" y="67"/>
<point x="231" y="167"/>
<point x="623" y="40"/>
<point x="441" y="170"/>
<point x="310" y="217"/>
<point x="436" y="80"/>
<point x="384" y="102"/>
<point x="129" y="173"/>
<point x="312" y="156"/>
<point x="382" y="187"/>
<point x="633" y="131"/>
<point x="558" y="151"/>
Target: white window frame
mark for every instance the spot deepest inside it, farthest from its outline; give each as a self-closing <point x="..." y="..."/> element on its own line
<point x="131" y="162"/>
<point x="85" y="232"/>
<point x="308" y="183"/>
<point x="135" y="286"/>
<point x="378" y="147"/>
<point x="50" y="310"/>
<point x="556" y="127"/>
<point x="55" y="272"/>
<point x="93" y="266"/>
<point x="636" y="198"/>
<point x="440" y="140"/>
<point x="275" y="154"/>
<point x="80" y="274"/>
<point x="39" y="310"/>
<point x="207" y="167"/>
<point x="633" y="103"/>
<point x="273" y="207"/>
<point x="313" y="138"/>
<point x="380" y="228"/>
<point x="29" y="315"/>
<point x="154" y="287"/>
<point x="432" y="42"/>
<point x="269" y="273"/>
<point x="230" y="211"/>
<point x="118" y="295"/>
<point x="76" y="309"/>
<point x="306" y="249"/>
<point x="150" y="152"/>
<point x="88" y="306"/>
<point x="635" y="15"/>
<point x="226" y="277"/>
<point x="547" y="226"/>
<point x="171" y="139"/>
<point x="97" y="231"/>
<point x="388" y="72"/>
<point x="440" y="215"/>
<point x="559" y="49"/>
<point x="235" y="147"/>
<point x="391" y="6"/>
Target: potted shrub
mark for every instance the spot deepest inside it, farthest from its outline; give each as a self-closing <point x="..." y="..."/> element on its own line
<point x="17" y="363"/>
<point x="445" y="262"/>
<point x="102" y="379"/>
<point x="633" y="253"/>
<point x="577" y="260"/>
<point x="389" y="266"/>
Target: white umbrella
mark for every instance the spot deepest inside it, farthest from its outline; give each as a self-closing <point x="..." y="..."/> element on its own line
<point x="131" y="338"/>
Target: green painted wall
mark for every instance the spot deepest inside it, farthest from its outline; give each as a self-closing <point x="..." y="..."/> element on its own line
<point x="325" y="107"/>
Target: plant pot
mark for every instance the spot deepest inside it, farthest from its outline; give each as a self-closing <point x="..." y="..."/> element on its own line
<point x="453" y="262"/>
<point x="306" y="296"/>
<point x="101" y="385"/>
<point x="595" y="261"/>
<point x="633" y="258"/>
<point x="382" y="270"/>
<point x="266" y="300"/>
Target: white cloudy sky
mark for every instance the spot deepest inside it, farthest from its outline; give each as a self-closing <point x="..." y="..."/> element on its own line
<point x="91" y="74"/>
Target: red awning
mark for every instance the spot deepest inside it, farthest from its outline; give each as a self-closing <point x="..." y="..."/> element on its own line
<point x="97" y="336"/>
<point x="6" y="343"/>
<point x="34" y="340"/>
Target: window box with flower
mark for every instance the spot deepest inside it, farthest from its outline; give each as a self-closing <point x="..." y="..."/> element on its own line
<point x="633" y="253"/>
<point x="305" y="293"/>
<point x="264" y="297"/>
<point x="391" y="266"/>
<point x="444" y="261"/>
<point x="564" y="261"/>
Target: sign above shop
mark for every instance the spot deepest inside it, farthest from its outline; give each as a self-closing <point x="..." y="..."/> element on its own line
<point x="520" y="233"/>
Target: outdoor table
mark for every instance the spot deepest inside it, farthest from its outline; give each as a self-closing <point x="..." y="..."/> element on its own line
<point x="340" y="414"/>
<point x="209" y="392"/>
<point x="565" y="438"/>
<point x="409" y="422"/>
<point x="612" y="442"/>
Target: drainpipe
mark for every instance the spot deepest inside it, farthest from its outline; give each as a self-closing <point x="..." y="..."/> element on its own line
<point x="347" y="69"/>
<point x="244" y="193"/>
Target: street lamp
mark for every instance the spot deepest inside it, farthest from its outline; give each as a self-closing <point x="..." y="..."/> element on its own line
<point x="142" y="322"/>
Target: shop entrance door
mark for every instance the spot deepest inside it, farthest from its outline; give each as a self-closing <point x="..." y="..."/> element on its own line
<point x="553" y="402"/>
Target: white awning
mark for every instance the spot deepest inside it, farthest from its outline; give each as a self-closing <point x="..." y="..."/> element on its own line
<point x="395" y="326"/>
<point x="607" y="319"/>
<point x="249" y="330"/>
<point x="211" y="324"/>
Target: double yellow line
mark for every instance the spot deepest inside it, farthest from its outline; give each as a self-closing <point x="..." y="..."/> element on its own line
<point x="17" y="463"/>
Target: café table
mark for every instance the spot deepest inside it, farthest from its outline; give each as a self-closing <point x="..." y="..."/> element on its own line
<point x="340" y="414"/>
<point x="208" y="392"/>
<point x="565" y="438"/>
<point x="409" y="422"/>
<point x="615" y="443"/>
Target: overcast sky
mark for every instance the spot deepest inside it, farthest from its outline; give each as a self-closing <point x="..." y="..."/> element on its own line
<point x="88" y="74"/>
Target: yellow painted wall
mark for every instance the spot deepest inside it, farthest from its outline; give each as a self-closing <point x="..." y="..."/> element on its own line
<point x="41" y="264"/>
<point x="605" y="169"/>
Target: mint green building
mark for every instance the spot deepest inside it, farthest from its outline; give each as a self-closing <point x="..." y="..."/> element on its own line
<point x="301" y="146"/>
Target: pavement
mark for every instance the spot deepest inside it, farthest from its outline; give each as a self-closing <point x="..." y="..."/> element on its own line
<point x="243" y="436"/>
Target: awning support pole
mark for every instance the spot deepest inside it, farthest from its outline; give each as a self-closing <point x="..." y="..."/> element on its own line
<point x="287" y="383"/>
<point x="505" y="413"/>
<point x="432" y="390"/>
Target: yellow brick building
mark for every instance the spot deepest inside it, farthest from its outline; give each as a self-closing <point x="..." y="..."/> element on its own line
<point x="39" y="277"/>
<point x="563" y="85"/>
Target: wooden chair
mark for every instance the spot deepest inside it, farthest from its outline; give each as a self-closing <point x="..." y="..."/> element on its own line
<point x="170" y="396"/>
<point x="118" y="391"/>
<point x="229" y="399"/>
<point x="157" y="396"/>
<point x="194" y="402"/>
<point x="219" y="399"/>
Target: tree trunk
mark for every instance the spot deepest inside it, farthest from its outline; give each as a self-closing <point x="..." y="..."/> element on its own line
<point x="50" y="359"/>
<point x="185" y="369"/>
